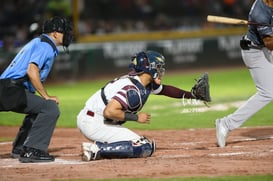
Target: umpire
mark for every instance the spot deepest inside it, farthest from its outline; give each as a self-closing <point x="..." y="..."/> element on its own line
<point x="22" y="78"/>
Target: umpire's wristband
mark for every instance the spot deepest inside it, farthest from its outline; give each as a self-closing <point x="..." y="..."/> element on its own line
<point x="130" y="117"/>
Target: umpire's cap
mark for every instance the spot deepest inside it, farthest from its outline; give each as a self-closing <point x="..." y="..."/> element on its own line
<point x="55" y="24"/>
<point x="61" y="25"/>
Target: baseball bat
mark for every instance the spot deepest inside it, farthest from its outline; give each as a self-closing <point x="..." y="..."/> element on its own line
<point x="235" y="21"/>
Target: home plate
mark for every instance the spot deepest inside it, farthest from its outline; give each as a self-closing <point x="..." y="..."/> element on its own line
<point x="66" y="162"/>
<point x="6" y="163"/>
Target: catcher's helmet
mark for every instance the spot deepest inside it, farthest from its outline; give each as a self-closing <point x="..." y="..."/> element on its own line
<point x="61" y="25"/>
<point x="150" y="62"/>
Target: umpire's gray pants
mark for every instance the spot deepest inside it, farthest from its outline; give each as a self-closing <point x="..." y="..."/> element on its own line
<point x="47" y="112"/>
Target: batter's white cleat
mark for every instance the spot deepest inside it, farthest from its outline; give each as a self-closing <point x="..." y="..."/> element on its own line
<point x="221" y="133"/>
<point x="89" y="151"/>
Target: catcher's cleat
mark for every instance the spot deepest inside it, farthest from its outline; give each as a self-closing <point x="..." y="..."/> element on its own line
<point x="89" y="151"/>
<point x="86" y="155"/>
<point x="221" y="133"/>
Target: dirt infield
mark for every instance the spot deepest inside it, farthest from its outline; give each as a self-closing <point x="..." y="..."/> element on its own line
<point x="180" y="153"/>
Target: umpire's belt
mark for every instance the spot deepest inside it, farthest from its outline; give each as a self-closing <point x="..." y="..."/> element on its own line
<point x="90" y="113"/>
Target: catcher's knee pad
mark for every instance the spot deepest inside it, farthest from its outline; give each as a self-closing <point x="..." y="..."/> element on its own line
<point x="126" y="149"/>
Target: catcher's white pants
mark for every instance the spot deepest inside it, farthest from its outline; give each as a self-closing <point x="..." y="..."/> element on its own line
<point x="259" y="63"/>
<point x="94" y="128"/>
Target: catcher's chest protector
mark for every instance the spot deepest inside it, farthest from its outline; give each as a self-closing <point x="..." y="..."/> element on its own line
<point x="137" y="97"/>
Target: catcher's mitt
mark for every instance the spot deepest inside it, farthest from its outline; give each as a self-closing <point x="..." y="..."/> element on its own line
<point x="201" y="88"/>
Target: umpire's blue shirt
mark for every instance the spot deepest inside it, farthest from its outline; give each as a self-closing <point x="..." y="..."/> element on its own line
<point x="36" y="51"/>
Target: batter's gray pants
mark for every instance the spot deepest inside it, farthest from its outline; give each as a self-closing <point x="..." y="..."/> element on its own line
<point x="259" y="63"/>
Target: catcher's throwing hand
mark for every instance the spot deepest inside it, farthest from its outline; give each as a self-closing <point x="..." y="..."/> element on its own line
<point x="200" y="90"/>
<point x="144" y="118"/>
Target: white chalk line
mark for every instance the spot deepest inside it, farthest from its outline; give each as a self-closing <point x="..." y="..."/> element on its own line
<point x="247" y="153"/>
<point x="5" y="143"/>
<point x="234" y="140"/>
<point x="254" y="139"/>
<point x="209" y="155"/>
<point x="186" y="145"/>
<point x="200" y="107"/>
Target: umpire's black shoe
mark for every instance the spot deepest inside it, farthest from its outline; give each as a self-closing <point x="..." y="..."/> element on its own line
<point x="32" y="155"/>
<point x="15" y="153"/>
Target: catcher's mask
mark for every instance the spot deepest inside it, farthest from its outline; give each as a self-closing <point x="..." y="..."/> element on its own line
<point x="150" y="62"/>
<point x="61" y="25"/>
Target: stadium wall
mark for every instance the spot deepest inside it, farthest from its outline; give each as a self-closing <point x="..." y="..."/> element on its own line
<point x="95" y="56"/>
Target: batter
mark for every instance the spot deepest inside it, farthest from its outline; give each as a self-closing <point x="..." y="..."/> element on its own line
<point x="256" y="46"/>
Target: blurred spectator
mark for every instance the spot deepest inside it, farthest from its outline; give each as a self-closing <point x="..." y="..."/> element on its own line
<point x="59" y="8"/>
<point x="112" y="16"/>
<point x="6" y="50"/>
<point x="17" y="16"/>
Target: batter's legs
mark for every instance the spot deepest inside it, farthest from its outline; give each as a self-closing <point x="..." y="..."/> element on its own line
<point x="261" y="71"/>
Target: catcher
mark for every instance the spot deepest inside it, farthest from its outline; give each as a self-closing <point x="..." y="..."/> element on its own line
<point x="121" y="100"/>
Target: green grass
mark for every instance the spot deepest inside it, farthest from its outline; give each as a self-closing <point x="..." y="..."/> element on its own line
<point x="226" y="85"/>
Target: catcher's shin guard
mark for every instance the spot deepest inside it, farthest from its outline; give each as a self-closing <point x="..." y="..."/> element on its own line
<point x="126" y="149"/>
